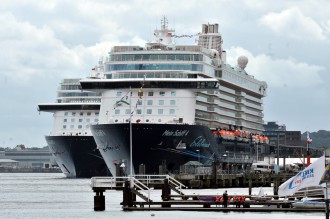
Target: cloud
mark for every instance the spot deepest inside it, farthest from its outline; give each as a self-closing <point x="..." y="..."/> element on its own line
<point x="293" y="23"/>
<point x="278" y="72"/>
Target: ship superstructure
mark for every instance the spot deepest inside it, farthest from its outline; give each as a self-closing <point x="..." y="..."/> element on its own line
<point x="173" y="95"/>
<point x="70" y="140"/>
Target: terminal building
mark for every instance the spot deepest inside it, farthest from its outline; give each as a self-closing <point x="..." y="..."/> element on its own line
<point x="27" y="158"/>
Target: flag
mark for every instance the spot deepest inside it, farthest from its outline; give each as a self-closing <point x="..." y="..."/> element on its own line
<point x="326" y="175"/>
<point x="309" y="139"/>
<point x="310" y="176"/>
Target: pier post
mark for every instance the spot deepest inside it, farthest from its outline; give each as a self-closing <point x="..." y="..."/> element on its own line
<point x="142" y="169"/>
<point x="250" y="184"/>
<point x="127" y="195"/>
<point x="214" y="175"/>
<point x="166" y="192"/>
<point x="276" y="185"/>
<point x="99" y="201"/>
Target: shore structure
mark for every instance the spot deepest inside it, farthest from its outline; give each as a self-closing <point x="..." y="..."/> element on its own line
<point x="71" y="141"/>
<point x="164" y="105"/>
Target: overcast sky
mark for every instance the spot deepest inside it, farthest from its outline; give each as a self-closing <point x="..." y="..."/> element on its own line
<point x="42" y="42"/>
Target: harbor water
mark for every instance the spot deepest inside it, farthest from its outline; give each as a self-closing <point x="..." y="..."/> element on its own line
<point x="51" y="195"/>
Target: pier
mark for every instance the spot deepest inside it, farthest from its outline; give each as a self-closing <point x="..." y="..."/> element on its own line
<point x="136" y="196"/>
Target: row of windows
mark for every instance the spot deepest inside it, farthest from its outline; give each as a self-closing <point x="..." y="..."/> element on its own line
<point x="156" y="57"/>
<point x="157" y="74"/>
<point x="88" y="120"/>
<point x="125" y="67"/>
<point x="73" y="126"/>
<point x="150" y="93"/>
<point x="148" y="111"/>
<point x="79" y="94"/>
<point x="81" y="113"/>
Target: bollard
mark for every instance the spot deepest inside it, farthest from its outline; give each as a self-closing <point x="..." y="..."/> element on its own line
<point x="99" y="201"/>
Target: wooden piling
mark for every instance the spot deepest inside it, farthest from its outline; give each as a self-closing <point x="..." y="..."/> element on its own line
<point x="99" y="201"/>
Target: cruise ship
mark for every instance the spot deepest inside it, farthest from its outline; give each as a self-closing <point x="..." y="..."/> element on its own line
<point x="71" y="141"/>
<point x="166" y="104"/>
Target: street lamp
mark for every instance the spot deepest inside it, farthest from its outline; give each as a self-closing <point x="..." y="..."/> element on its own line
<point x="227" y="155"/>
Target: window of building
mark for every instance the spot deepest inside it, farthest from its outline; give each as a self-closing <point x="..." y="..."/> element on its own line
<point x="172" y="102"/>
<point x="161" y="102"/>
<point x="64" y="126"/>
<point x="139" y="102"/>
<point x="149" y="102"/>
<point x="172" y="111"/>
<point x="160" y="111"/>
<point x="138" y="111"/>
<point x="89" y="113"/>
<point x="119" y="93"/>
<point x="73" y="113"/>
<point x="79" y="126"/>
<point x="66" y="113"/>
<point x="81" y="113"/>
<point x="88" y="120"/>
<point x="149" y="111"/>
<point x="162" y="93"/>
<point x="72" y="120"/>
<point x="71" y="126"/>
<point x="117" y="111"/>
<point x="65" y="120"/>
<point x="150" y="93"/>
<point x="80" y="120"/>
<point x="173" y="93"/>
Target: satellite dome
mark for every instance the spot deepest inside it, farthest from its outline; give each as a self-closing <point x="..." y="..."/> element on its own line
<point x="242" y="62"/>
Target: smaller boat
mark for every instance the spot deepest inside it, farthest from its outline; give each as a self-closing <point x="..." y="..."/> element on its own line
<point x="261" y="196"/>
<point x="305" y="203"/>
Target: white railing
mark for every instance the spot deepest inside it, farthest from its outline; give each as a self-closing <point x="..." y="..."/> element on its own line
<point x="141" y="182"/>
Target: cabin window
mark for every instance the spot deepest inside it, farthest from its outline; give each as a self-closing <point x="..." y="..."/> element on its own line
<point x="138" y="111"/>
<point x="161" y="102"/>
<point x="73" y="113"/>
<point x="79" y="126"/>
<point x="149" y="102"/>
<point x="150" y="93"/>
<point x="162" y="93"/>
<point x="72" y="120"/>
<point x="160" y="111"/>
<point x="172" y="102"/>
<point x="87" y="126"/>
<point x="65" y="120"/>
<point x="80" y="120"/>
<point x="88" y="120"/>
<point x="117" y="111"/>
<point x="172" y="111"/>
<point x="96" y="120"/>
<point x="71" y="126"/>
<point x="127" y="111"/>
<point x="149" y="111"/>
<point x="119" y="93"/>
<point x="173" y="93"/>
<point x="66" y="113"/>
<point x="81" y="113"/>
<point x="64" y="126"/>
<point x="89" y="113"/>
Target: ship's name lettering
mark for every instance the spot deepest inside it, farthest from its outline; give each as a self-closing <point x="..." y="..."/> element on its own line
<point x="200" y="142"/>
<point x="175" y="133"/>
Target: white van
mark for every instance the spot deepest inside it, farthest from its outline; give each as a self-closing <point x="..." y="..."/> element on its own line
<point x="261" y="168"/>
